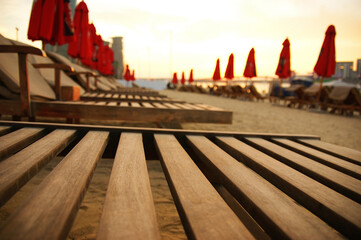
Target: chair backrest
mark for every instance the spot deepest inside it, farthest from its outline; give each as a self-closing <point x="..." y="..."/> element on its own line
<point x="340" y="94"/>
<point x="9" y="75"/>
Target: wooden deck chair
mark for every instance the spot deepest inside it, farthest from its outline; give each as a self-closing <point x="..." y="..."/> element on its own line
<point x="298" y="91"/>
<point x="343" y="100"/>
<point x="310" y="94"/>
<point x="225" y="185"/>
<point x="28" y="106"/>
<point x="254" y="94"/>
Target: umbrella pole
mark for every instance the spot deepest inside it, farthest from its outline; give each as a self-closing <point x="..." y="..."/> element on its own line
<point x="319" y="91"/>
<point x="280" y="89"/>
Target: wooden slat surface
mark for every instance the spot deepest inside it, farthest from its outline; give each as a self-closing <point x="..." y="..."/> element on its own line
<point x="329" y="160"/>
<point x="20" y="167"/>
<point x="128" y="211"/>
<point x="50" y="210"/>
<point x="278" y="214"/>
<point x="338" y="210"/>
<point x="18" y="139"/>
<point x="351" y="154"/>
<point x="201" y="205"/>
<point x="4" y="130"/>
<point x="339" y="181"/>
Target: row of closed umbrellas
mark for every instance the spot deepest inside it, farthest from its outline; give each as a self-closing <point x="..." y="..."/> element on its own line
<point x="51" y="22"/>
<point x="325" y="65"/>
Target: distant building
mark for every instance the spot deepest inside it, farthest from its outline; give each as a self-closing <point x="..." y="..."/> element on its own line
<point x="344" y="70"/>
<point x="358" y="69"/>
<point x="118" y="64"/>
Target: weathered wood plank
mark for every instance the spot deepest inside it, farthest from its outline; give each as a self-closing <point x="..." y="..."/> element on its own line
<point x="4" y="130"/>
<point x="129" y="211"/>
<point x="201" y="206"/>
<point x="16" y="170"/>
<point x="278" y="214"/>
<point x="347" y="153"/>
<point x="50" y="210"/>
<point x="18" y="139"/>
<point x="330" y="177"/>
<point x="337" y="210"/>
<point x="329" y="160"/>
<point x="91" y="111"/>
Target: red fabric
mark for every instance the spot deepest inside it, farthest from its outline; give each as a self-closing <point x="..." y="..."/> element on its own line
<point x="175" y="79"/>
<point x="91" y="62"/>
<point x="132" y="76"/>
<point x="109" y="59"/>
<point x="284" y="65"/>
<point x="62" y="30"/>
<point x="100" y="53"/>
<point x="80" y="48"/>
<point x="35" y="20"/>
<point x="230" y="66"/>
<point x="47" y="20"/>
<point x="250" y="69"/>
<point x="183" y="80"/>
<point x="217" y="72"/>
<point x="127" y="73"/>
<point x="326" y="62"/>
<point x="191" y="76"/>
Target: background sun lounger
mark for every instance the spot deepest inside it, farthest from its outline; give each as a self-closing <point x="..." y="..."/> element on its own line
<point x="225" y="185"/>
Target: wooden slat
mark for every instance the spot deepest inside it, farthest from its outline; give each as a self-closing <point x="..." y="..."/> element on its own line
<point x="147" y="105"/>
<point x="329" y="160"/>
<point x="129" y="211"/>
<point x="112" y="103"/>
<point x="278" y="214"/>
<point x="135" y="104"/>
<point x="18" y="139"/>
<point x="201" y="206"/>
<point x="348" y="153"/>
<point x="4" y="130"/>
<point x="50" y="210"/>
<point x="339" y="181"/>
<point x="339" y="211"/>
<point x="124" y="104"/>
<point x="16" y="170"/>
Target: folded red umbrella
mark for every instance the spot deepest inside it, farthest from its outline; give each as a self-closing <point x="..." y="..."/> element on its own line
<point x="91" y="62"/>
<point x="175" y="79"/>
<point x="284" y="64"/>
<point x="190" y="77"/>
<point x="35" y="20"/>
<point x="132" y="76"/>
<point x="230" y="66"/>
<point x="250" y="69"/>
<point x="127" y="76"/>
<point x="183" y="80"/>
<point x="326" y="62"/>
<point x="80" y="48"/>
<point x="63" y="31"/>
<point x="47" y="19"/>
<point x="217" y="72"/>
<point x="109" y="58"/>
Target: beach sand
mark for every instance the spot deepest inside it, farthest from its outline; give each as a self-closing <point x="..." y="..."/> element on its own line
<point x="261" y="117"/>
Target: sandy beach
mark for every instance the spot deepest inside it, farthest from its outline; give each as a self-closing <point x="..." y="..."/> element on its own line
<point x="261" y="117"/>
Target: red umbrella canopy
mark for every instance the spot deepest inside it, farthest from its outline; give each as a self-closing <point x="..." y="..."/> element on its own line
<point x="183" y="80"/>
<point x="217" y="72"/>
<point x="63" y="31"/>
<point x="132" y="76"/>
<point x="50" y="21"/>
<point x="127" y="73"/>
<point x="108" y="61"/>
<point x="326" y="62"/>
<point x="230" y="66"/>
<point x="91" y="62"/>
<point x="191" y="76"/>
<point x="250" y="69"/>
<point x="175" y="79"/>
<point x="80" y="48"/>
<point x="100" y="58"/>
<point x="284" y="64"/>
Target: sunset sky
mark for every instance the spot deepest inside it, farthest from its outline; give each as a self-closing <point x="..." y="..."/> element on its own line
<point x="162" y="36"/>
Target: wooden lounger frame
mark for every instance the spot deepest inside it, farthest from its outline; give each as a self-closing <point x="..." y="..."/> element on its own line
<point x="225" y="185"/>
<point x="143" y="111"/>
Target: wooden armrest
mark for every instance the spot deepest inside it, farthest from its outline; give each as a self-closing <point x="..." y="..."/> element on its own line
<point x="21" y="49"/>
<point x="54" y="65"/>
<point x="78" y="73"/>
